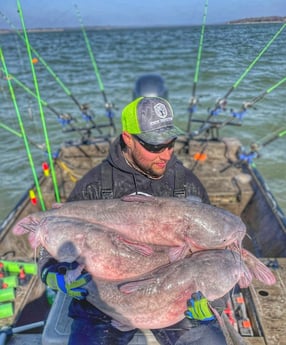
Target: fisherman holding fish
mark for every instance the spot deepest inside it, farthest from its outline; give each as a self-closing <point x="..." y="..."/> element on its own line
<point x="140" y="161"/>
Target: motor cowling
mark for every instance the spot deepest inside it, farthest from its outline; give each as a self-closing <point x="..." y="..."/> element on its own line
<point x="150" y="85"/>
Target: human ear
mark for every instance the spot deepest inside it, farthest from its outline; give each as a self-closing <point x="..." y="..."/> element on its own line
<point x="127" y="138"/>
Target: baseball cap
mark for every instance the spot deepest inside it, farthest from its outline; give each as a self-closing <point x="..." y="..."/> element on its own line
<point x="151" y="119"/>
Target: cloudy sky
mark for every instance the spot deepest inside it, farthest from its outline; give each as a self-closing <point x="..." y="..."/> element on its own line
<point x="62" y="13"/>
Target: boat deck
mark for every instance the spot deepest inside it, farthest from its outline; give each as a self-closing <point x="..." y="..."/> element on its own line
<point x="229" y="186"/>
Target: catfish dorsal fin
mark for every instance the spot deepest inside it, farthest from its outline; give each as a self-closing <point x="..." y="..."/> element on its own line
<point x="141" y="197"/>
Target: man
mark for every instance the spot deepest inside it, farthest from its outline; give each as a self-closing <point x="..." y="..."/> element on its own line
<point x="141" y="160"/>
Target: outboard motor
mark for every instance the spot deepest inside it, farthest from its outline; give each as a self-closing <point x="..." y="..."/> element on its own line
<point x="150" y="85"/>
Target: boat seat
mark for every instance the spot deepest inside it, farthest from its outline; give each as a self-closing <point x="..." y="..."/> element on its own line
<point x="57" y="328"/>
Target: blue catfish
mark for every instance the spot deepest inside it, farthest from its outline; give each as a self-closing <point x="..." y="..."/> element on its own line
<point x="106" y="254"/>
<point x="185" y="225"/>
<point x="118" y="231"/>
<point x="100" y="251"/>
<point x="158" y="299"/>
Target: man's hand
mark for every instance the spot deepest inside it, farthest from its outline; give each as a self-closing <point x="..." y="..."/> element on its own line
<point x="66" y="277"/>
<point x="198" y="309"/>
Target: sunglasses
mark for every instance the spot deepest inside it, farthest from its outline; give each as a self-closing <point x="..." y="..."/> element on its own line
<point x="155" y="148"/>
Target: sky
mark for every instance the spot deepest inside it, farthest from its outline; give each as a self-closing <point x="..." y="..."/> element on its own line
<point x="62" y="13"/>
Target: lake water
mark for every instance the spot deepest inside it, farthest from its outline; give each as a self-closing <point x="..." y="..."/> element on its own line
<point x="122" y="55"/>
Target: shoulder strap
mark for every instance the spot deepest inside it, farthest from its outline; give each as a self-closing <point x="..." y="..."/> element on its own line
<point x="106" y="180"/>
<point x="180" y="181"/>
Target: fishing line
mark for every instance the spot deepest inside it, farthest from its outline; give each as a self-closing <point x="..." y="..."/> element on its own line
<point x="108" y="105"/>
<point x="94" y="64"/>
<point x="18" y="134"/>
<point x="49" y="69"/>
<point x="29" y="108"/>
<point x="263" y="94"/>
<point x="26" y="143"/>
<point x="82" y="108"/>
<point x="7" y="111"/>
<point x="270" y="138"/>
<point x="31" y="111"/>
<point x="54" y="178"/>
<point x="194" y="100"/>
<point x="221" y="103"/>
<point x="239" y="115"/>
<point x="61" y="163"/>
<point x="201" y="156"/>
<point x="62" y="118"/>
<point x="252" y="64"/>
<point x="248" y="157"/>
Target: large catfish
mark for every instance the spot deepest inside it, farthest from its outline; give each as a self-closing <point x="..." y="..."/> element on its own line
<point x="137" y="224"/>
<point x="102" y="252"/>
<point x="158" y="299"/>
<point x="180" y="223"/>
<point x="105" y="254"/>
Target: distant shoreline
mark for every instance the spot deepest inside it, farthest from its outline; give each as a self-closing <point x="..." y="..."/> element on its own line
<point x="254" y="20"/>
<point x="259" y="20"/>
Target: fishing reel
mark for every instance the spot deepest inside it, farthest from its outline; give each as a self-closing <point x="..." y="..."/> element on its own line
<point x="65" y="119"/>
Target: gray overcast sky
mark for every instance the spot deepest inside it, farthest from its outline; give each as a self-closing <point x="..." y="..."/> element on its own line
<point x="61" y="13"/>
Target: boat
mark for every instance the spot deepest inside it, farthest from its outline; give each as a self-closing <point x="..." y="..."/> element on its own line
<point x="37" y="316"/>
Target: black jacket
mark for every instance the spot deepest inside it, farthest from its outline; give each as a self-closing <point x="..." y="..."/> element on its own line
<point x="114" y="178"/>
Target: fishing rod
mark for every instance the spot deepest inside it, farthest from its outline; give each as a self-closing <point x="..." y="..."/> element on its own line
<point x="63" y="119"/>
<point x="23" y="133"/>
<point x="268" y="139"/>
<point x="263" y="94"/>
<point x="82" y="107"/>
<point x="248" y="157"/>
<point x="251" y="65"/>
<point x="42" y="147"/>
<point x="54" y="178"/>
<point x="222" y="102"/>
<point x="240" y="114"/>
<point x="194" y="100"/>
<point x="108" y="105"/>
<point x="49" y="69"/>
<point x="18" y="134"/>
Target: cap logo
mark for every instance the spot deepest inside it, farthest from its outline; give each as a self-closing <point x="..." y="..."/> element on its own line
<point x="160" y="110"/>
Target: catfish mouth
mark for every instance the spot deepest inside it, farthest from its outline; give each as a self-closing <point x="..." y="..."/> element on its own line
<point x="194" y="247"/>
<point x="233" y="241"/>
